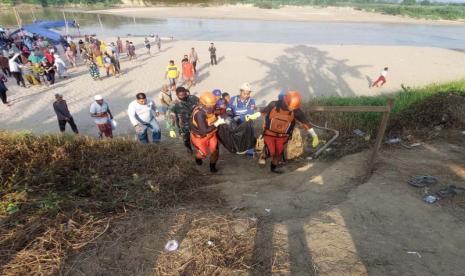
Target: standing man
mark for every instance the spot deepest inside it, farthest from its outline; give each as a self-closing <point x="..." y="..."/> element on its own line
<point x="158" y="42"/>
<point x="142" y="113"/>
<point x="4" y="65"/>
<point x="63" y="114"/>
<point x="172" y="73"/>
<point x="181" y="114"/>
<point x="280" y="120"/>
<point x="194" y="58"/>
<point x="212" y="51"/>
<point x="381" y="78"/>
<point x="203" y="130"/>
<point x="147" y="45"/>
<point x="119" y="45"/>
<point x="101" y="113"/>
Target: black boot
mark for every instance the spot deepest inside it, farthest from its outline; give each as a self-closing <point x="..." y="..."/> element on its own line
<point x="274" y="169"/>
<point x="198" y="161"/>
<point x="213" y="168"/>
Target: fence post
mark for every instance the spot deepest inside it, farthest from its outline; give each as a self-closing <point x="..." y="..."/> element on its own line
<point x="380" y="135"/>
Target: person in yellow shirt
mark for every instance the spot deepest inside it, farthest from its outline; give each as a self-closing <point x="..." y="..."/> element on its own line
<point x="172" y="73"/>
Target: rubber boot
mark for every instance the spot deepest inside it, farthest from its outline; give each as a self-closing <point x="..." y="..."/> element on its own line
<point x="213" y="168"/>
<point x="198" y="161"/>
<point x="274" y="169"/>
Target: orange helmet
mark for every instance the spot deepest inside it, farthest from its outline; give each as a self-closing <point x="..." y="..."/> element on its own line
<point x="207" y="99"/>
<point x="292" y="99"/>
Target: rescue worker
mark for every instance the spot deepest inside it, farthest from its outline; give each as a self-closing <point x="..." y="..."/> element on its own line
<point x="181" y="114"/>
<point x="240" y="106"/>
<point x="203" y="128"/>
<point x="280" y="120"/>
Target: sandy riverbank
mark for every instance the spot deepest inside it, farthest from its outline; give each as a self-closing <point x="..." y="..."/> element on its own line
<point x="286" y="13"/>
<point x="314" y="70"/>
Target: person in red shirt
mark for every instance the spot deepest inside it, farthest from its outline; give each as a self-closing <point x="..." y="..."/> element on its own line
<point x="203" y="130"/>
<point x="187" y="73"/>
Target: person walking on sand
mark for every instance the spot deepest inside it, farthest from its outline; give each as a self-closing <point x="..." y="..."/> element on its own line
<point x="142" y="113"/>
<point x="181" y="114"/>
<point x="15" y="69"/>
<point x="147" y="45"/>
<point x="63" y="114"/>
<point x="60" y="66"/>
<point x="109" y="66"/>
<point x="71" y="56"/>
<point x="158" y="42"/>
<point x="187" y="73"/>
<point x="172" y="74"/>
<point x="93" y="69"/>
<point x="132" y="51"/>
<point x="119" y="45"/>
<point x="3" y="89"/>
<point x="381" y="79"/>
<point x="101" y="113"/>
<point x="212" y="51"/>
<point x="194" y="58"/>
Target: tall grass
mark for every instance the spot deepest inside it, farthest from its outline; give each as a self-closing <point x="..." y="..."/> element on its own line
<point x="369" y="121"/>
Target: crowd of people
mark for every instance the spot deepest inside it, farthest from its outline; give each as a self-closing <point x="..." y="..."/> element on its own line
<point x="197" y="120"/>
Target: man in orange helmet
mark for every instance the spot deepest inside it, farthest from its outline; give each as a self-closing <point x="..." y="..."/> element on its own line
<point x="280" y="120"/>
<point x="203" y="130"/>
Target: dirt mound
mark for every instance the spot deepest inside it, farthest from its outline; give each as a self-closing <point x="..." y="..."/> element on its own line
<point x="443" y="109"/>
<point x="57" y="193"/>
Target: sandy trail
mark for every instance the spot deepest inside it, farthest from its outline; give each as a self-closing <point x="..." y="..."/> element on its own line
<point x="315" y="71"/>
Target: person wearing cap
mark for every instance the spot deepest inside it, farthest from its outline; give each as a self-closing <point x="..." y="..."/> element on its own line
<point x="142" y="113"/>
<point x="203" y="127"/>
<point x="100" y="111"/>
<point x="221" y="105"/>
<point x="63" y="114"/>
<point x="242" y="104"/>
<point x="280" y="119"/>
<point x="181" y="113"/>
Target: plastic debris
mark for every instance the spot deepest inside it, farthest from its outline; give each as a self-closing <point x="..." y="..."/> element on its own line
<point x="414" y="253"/>
<point x="421" y="181"/>
<point x="463" y="132"/>
<point x="267" y="210"/>
<point x="393" y="141"/>
<point x="430" y="199"/>
<point x="210" y="243"/>
<point x="415" y="145"/>
<point x="359" y="132"/>
<point x="171" y="245"/>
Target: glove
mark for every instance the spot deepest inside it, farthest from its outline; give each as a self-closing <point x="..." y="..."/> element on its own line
<point x="172" y="134"/>
<point x="315" y="141"/>
<point x="254" y="116"/>
<point x="218" y="122"/>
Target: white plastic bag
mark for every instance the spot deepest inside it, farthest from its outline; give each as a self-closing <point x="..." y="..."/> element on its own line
<point x="114" y="124"/>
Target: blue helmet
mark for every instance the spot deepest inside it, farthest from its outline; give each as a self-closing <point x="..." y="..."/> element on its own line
<point x="217" y="93"/>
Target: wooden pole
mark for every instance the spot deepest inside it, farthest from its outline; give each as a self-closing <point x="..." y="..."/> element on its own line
<point x="380" y="135"/>
<point x="100" y="21"/>
<point x="33" y="15"/>
<point x="18" y="19"/>
<point x="66" y="23"/>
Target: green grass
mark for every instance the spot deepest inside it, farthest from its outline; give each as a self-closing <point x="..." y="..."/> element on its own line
<point x="369" y="121"/>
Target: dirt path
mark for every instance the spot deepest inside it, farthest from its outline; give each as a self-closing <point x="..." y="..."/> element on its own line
<point x="317" y="219"/>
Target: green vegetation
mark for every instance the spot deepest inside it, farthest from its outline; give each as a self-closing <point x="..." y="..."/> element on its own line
<point x="407" y="99"/>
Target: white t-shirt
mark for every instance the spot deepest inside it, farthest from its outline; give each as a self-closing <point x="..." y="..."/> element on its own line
<point x="96" y="108"/>
<point x="145" y="112"/>
<point x="384" y="73"/>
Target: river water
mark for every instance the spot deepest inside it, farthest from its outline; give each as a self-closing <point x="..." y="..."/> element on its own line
<point x="443" y="36"/>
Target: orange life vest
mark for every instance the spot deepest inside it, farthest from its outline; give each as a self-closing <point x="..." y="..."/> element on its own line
<point x="211" y="119"/>
<point x="279" y="123"/>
